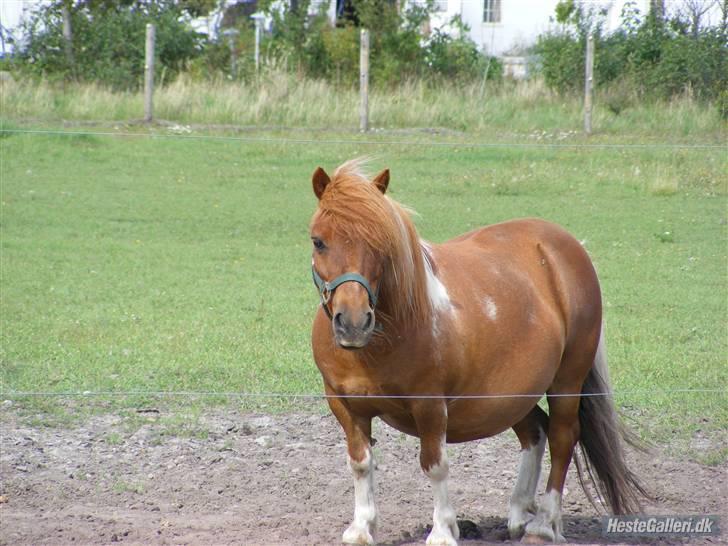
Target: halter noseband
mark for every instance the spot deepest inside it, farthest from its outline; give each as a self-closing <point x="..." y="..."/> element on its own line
<point x="326" y="289"/>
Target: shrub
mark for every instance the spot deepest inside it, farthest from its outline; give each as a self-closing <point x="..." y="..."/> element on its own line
<point x="458" y="58"/>
<point x="399" y="49"/>
<point x="108" y="42"/>
<point x="652" y="57"/>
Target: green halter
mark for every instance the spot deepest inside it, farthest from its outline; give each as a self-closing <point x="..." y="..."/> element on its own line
<point x="326" y="289"/>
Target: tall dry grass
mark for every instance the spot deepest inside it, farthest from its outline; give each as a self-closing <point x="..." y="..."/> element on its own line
<point x="280" y="99"/>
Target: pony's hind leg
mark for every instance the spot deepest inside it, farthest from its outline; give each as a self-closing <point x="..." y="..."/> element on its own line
<point x="563" y="433"/>
<point x="531" y="432"/>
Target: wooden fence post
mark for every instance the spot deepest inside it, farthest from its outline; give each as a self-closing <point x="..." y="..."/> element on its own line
<point x="589" y="84"/>
<point x="364" y="81"/>
<point x="149" y="73"/>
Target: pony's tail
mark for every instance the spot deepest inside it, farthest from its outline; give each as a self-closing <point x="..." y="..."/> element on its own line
<point x="601" y="439"/>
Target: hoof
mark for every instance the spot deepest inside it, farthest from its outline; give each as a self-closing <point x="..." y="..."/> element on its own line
<point x="544" y="536"/>
<point x="518" y="520"/>
<point x="357" y="535"/>
<point x="517" y="531"/>
<point x="441" y="539"/>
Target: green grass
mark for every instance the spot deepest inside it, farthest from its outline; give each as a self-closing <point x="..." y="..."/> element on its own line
<point x="168" y="264"/>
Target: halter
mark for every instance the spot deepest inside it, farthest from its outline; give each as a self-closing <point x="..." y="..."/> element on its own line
<point x="326" y="289"/>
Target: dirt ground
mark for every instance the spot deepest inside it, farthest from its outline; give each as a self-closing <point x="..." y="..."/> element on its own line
<point x="228" y="477"/>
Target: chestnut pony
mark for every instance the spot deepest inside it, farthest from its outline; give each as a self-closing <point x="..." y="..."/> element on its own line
<point x="458" y="341"/>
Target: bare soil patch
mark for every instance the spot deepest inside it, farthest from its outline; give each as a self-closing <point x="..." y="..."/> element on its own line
<point x="230" y="477"/>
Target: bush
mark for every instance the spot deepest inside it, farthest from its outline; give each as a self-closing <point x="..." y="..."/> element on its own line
<point x="654" y="58"/>
<point x="458" y="58"/>
<point x="399" y="50"/>
<point x="108" y="42"/>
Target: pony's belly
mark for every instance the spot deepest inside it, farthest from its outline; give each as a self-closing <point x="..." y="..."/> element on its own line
<point x="475" y="419"/>
<point x="469" y="420"/>
<point x="402" y="422"/>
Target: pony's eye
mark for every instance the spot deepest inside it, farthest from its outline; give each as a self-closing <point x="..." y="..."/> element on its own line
<point x="318" y="244"/>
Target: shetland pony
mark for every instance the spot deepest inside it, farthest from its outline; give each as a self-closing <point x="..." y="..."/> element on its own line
<point x="457" y="341"/>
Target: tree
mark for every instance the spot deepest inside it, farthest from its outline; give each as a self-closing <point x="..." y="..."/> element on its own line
<point x="657" y="9"/>
<point x="694" y="10"/>
<point x="107" y="42"/>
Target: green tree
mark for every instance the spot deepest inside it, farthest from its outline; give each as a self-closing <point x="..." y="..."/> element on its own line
<point x="108" y="40"/>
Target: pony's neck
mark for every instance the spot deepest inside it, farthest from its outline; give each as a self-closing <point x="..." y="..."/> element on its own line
<point x="406" y="288"/>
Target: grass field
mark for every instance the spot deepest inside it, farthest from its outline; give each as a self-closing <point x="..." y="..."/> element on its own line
<point x="280" y="99"/>
<point x="168" y="264"/>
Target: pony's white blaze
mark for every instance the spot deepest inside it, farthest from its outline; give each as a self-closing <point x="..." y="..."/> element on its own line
<point x="523" y="499"/>
<point x="547" y="523"/>
<point x="490" y="308"/>
<point x="363" y="528"/>
<point x="445" y="530"/>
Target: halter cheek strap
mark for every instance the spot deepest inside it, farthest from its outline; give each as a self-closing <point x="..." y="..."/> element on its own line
<point x="326" y="289"/>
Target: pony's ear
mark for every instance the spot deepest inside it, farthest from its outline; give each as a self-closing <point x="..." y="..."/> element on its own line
<point x="381" y="181"/>
<point x="320" y="180"/>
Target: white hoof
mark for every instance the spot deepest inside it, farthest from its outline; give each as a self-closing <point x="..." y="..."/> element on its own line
<point x="357" y="535"/>
<point x="441" y="539"/>
<point x="544" y="531"/>
<point x="519" y="518"/>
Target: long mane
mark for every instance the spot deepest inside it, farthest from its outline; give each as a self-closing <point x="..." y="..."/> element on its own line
<point x="355" y="207"/>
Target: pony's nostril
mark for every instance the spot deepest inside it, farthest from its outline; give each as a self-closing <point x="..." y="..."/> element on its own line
<point x="369" y="320"/>
<point x="337" y="321"/>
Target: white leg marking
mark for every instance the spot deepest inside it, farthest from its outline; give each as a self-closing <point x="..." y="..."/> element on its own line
<point x="547" y="523"/>
<point x="445" y="530"/>
<point x="523" y="500"/>
<point x="363" y="528"/>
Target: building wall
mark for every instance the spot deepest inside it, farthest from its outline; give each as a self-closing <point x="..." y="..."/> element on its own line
<point x="521" y="21"/>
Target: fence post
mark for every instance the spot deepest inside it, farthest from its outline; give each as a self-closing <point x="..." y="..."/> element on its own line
<point x="589" y="84"/>
<point x="149" y="73"/>
<point x="259" y="19"/>
<point x="364" y="81"/>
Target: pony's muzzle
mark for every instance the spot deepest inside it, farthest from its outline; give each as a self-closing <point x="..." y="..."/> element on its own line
<point x="353" y="330"/>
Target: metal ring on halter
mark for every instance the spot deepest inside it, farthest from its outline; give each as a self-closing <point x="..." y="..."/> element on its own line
<point x="326" y="289"/>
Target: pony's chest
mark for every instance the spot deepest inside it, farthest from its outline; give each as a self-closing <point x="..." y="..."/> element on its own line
<point x="365" y="390"/>
<point x="355" y="386"/>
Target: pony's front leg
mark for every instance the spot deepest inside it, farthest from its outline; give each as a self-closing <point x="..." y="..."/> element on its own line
<point x="361" y="461"/>
<point x="431" y="418"/>
<point x="362" y="529"/>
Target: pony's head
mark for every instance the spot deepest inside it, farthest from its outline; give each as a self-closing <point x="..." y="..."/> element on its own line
<point x="366" y="255"/>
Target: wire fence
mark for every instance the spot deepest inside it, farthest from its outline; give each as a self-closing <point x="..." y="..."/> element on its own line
<point x="324" y="396"/>
<point x="374" y="142"/>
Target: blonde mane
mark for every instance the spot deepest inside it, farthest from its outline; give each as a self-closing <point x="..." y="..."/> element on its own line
<point x="355" y="207"/>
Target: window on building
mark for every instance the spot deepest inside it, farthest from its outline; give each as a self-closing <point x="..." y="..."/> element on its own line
<point x="491" y="11"/>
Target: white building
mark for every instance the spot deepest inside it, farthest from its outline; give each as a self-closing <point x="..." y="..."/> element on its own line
<point x="12" y="15"/>
<point x="508" y="27"/>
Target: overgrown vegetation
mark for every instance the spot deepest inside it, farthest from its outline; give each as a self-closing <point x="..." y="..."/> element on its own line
<point x="107" y="44"/>
<point x="400" y="48"/>
<point x="647" y="56"/>
<point x="505" y="112"/>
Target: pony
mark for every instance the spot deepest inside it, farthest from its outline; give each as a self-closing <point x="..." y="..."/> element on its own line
<point x="458" y="341"/>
